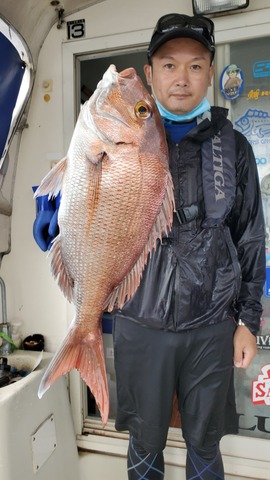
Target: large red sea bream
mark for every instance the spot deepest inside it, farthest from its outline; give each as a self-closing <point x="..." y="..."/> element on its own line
<point x="116" y="200"/>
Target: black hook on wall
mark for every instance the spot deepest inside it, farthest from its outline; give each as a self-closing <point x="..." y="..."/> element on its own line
<point x="60" y="12"/>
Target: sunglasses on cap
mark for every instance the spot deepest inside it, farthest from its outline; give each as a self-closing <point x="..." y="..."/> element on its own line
<point x="173" y="22"/>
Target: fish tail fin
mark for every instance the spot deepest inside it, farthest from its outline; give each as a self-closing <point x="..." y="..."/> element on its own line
<point x="52" y="182"/>
<point x="86" y="354"/>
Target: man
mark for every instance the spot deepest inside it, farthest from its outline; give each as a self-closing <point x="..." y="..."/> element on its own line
<point x="197" y="309"/>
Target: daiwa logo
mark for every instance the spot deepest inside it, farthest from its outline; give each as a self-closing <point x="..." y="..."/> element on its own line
<point x="261" y="388"/>
<point x="218" y="168"/>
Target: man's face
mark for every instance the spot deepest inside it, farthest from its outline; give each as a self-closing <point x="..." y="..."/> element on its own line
<point x="180" y="74"/>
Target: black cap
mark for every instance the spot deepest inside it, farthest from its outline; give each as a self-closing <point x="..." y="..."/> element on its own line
<point x="175" y="25"/>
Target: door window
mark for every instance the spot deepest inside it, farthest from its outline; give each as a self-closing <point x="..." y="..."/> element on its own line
<point x="250" y="114"/>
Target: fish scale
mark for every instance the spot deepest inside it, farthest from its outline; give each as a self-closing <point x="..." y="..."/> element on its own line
<point x="116" y="201"/>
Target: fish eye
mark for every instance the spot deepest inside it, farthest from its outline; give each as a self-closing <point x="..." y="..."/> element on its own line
<point x="142" y="110"/>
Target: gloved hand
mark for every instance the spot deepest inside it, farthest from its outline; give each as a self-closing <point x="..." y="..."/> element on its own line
<point x="45" y="212"/>
<point x="53" y="227"/>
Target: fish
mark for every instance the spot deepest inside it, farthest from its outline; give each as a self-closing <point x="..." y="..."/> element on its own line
<point x="255" y="123"/>
<point x="117" y="200"/>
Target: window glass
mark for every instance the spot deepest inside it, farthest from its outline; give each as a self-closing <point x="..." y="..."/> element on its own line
<point x="16" y="78"/>
<point x="250" y="114"/>
<point x="15" y="82"/>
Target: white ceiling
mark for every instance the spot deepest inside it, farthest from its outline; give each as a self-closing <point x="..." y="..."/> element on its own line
<point x="34" y="18"/>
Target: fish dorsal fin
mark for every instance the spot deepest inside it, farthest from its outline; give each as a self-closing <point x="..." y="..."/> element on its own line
<point x="131" y="281"/>
<point x="59" y="271"/>
<point x="52" y="182"/>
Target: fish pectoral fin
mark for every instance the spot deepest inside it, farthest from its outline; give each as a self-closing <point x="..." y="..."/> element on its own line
<point x="52" y="182"/>
<point x="86" y="354"/>
<point x="59" y="271"/>
<point x="124" y="291"/>
<point x="164" y="220"/>
<point x="96" y="156"/>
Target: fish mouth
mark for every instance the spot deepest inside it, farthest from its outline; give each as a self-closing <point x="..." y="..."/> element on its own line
<point x="128" y="73"/>
<point x="110" y="77"/>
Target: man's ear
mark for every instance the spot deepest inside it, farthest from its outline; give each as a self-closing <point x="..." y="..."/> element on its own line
<point x="211" y="74"/>
<point x="148" y="74"/>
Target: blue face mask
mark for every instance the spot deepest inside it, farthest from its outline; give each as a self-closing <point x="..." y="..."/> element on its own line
<point x="199" y="110"/>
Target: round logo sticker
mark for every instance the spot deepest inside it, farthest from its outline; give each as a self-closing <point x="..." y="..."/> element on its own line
<point x="231" y="82"/>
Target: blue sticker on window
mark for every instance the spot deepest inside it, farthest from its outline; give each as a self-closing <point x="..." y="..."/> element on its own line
<point x="267" y="281"/>
<point x="261" y="69"/>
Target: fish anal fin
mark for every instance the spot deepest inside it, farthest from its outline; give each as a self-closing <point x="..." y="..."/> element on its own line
<point x="52" y="182"/>
<point x="163" y="223"/>
<point x="85" y="354"/>
<point x="59" y="271"/>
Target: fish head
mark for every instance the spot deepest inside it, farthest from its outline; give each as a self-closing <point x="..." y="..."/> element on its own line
<point x="121" y="111"/>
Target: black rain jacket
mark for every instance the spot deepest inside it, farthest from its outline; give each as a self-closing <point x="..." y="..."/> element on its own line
<point x="201" y="276"/>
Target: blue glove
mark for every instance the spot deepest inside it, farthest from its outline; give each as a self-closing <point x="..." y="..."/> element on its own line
<point x="45" y="212"/>
<point x="53" y="227"/>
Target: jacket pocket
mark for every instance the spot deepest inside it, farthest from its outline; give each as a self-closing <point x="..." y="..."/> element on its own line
<point x="235" y="262"/>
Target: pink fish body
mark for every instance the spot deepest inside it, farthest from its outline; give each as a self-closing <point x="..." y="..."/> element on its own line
<point x="116" y="200"/>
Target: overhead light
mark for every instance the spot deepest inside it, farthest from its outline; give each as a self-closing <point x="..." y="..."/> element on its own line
<point x="206" y="7"/>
